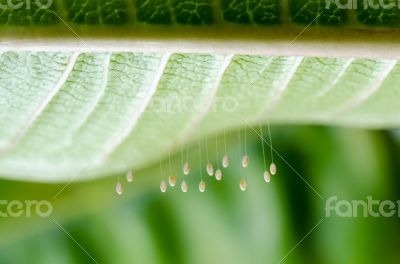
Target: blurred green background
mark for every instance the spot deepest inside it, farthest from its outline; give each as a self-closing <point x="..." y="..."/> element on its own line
<point x="268" y="223"/>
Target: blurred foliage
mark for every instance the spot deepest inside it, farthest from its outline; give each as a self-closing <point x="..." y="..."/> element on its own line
<point x="223" y="225"/>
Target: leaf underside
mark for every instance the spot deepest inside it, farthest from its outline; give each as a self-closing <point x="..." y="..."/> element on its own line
<point x="97" y="114"/>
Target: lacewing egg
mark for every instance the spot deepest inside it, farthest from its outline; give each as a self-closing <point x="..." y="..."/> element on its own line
<point x="272" y="168"/>
<point x="267" y="176"/>
<point x="245" y="161"/>
<point x="225" y="161"/>
<point x="210" y="169"/>
<point x="184" y="186"/>
<point x="243" y="185"/>
<point x="186" y="168"/>
<point x="163" y="186"/>
<point x="172" y="181"/>
<point x="129" y="176"/>
<point x="202" y="186"/>
<point x="119" y="189"/>
<point x="218" y="175"/>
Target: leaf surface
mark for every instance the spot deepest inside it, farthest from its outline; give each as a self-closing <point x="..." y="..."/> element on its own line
<point x="97" y="114"/>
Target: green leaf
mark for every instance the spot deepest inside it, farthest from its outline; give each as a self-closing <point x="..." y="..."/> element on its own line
<point x="200" y="12"/>
<point x="97" y="114"/>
